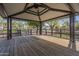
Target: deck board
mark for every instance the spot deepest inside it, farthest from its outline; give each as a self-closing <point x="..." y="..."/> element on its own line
<point x="33" y="46"/>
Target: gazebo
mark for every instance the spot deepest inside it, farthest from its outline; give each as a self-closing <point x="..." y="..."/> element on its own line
<point x="39" y="12"/>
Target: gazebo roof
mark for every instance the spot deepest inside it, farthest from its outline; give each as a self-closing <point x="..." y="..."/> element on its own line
<point x="29" y="11"/>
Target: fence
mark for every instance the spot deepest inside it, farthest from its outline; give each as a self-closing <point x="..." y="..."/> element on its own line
<point x="61" y="33"/>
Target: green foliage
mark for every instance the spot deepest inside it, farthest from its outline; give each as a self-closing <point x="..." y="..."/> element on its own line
<point x="18" y="24"/>
<point x="58" y="24"/>
<point x="33" y="24"/>
<point x="77" y="25"/>
<point x="65" y="24"/>
<point x="53" y="23"/>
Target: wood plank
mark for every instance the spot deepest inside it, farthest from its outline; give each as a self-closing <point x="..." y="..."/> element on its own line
<point x="33" y="46"/>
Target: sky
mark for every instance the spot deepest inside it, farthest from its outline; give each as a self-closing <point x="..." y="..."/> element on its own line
<point x="61" y="21"/>
<point x="77" y="18"/>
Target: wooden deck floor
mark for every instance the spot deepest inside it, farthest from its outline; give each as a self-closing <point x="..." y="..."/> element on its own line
<point x="33" y="46"/>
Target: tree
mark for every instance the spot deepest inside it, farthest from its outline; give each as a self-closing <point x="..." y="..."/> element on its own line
<point x="33" y="24"/>
<point x="65" y="24"/>
<point x="53" y="25"/>
<point x="77" y="25"/>
<point x="17" y="24"/>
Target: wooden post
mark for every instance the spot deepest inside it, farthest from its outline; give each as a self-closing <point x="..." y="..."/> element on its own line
<point x="72" y="43"/>
<point x="31" y="31"/>
<point x="8" y="37"/>
<point x="37" y="31"/>
<point x="9" y="28"/>
<point x="46" y="31"/>
<point x="40" y="22"/>
<point x="60" y="33"/>
<point x="28" y="31"/>
<point x="51" y="31"/>
<point x="40" y="29"/>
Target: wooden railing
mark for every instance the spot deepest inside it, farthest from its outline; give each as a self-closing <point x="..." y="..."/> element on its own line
<point x="61" y="33"/>
<point x="56" y="32"/>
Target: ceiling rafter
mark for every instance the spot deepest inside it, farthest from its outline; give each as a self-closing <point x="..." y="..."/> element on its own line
<point x="15" y="18"/>
<point x="38" y="14"/>
<point x="26" y="10"/>
<point x="23" y="11"/>
<point x="70" y="7"/>
<point x="29" y="7"/>
<point x="3" y="9"/>
<point x="56" y="17"/>
<point x="25" y="6"/>
<point x="40" y="5"/>
<point x="53" y="9"/>
<point x="31" y="12"/>
<point x="17" y="13"/>
<point x="44" y="12"/>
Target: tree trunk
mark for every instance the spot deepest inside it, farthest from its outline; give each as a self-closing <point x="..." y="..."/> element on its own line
<point x="45" y="31"/>
<point x="37" y="31"/>
<point x="51" y="30"/>
<point x="60" y="33"/>
<point x="30" y="31"/>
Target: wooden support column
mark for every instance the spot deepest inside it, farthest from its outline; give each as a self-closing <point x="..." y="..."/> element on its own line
<point x="9" y="28"/>
<point x="45" y="31"/>
<point x="51" y="30"/>
<point x="28" y="31"/>
<point x="37" y="31"/>
<point x="8" y="37"/>
<point x="40" y="22"/>
<point x="60" y="33"/>
<point x="40" y="29"/>
<point x="72" y="43"/>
